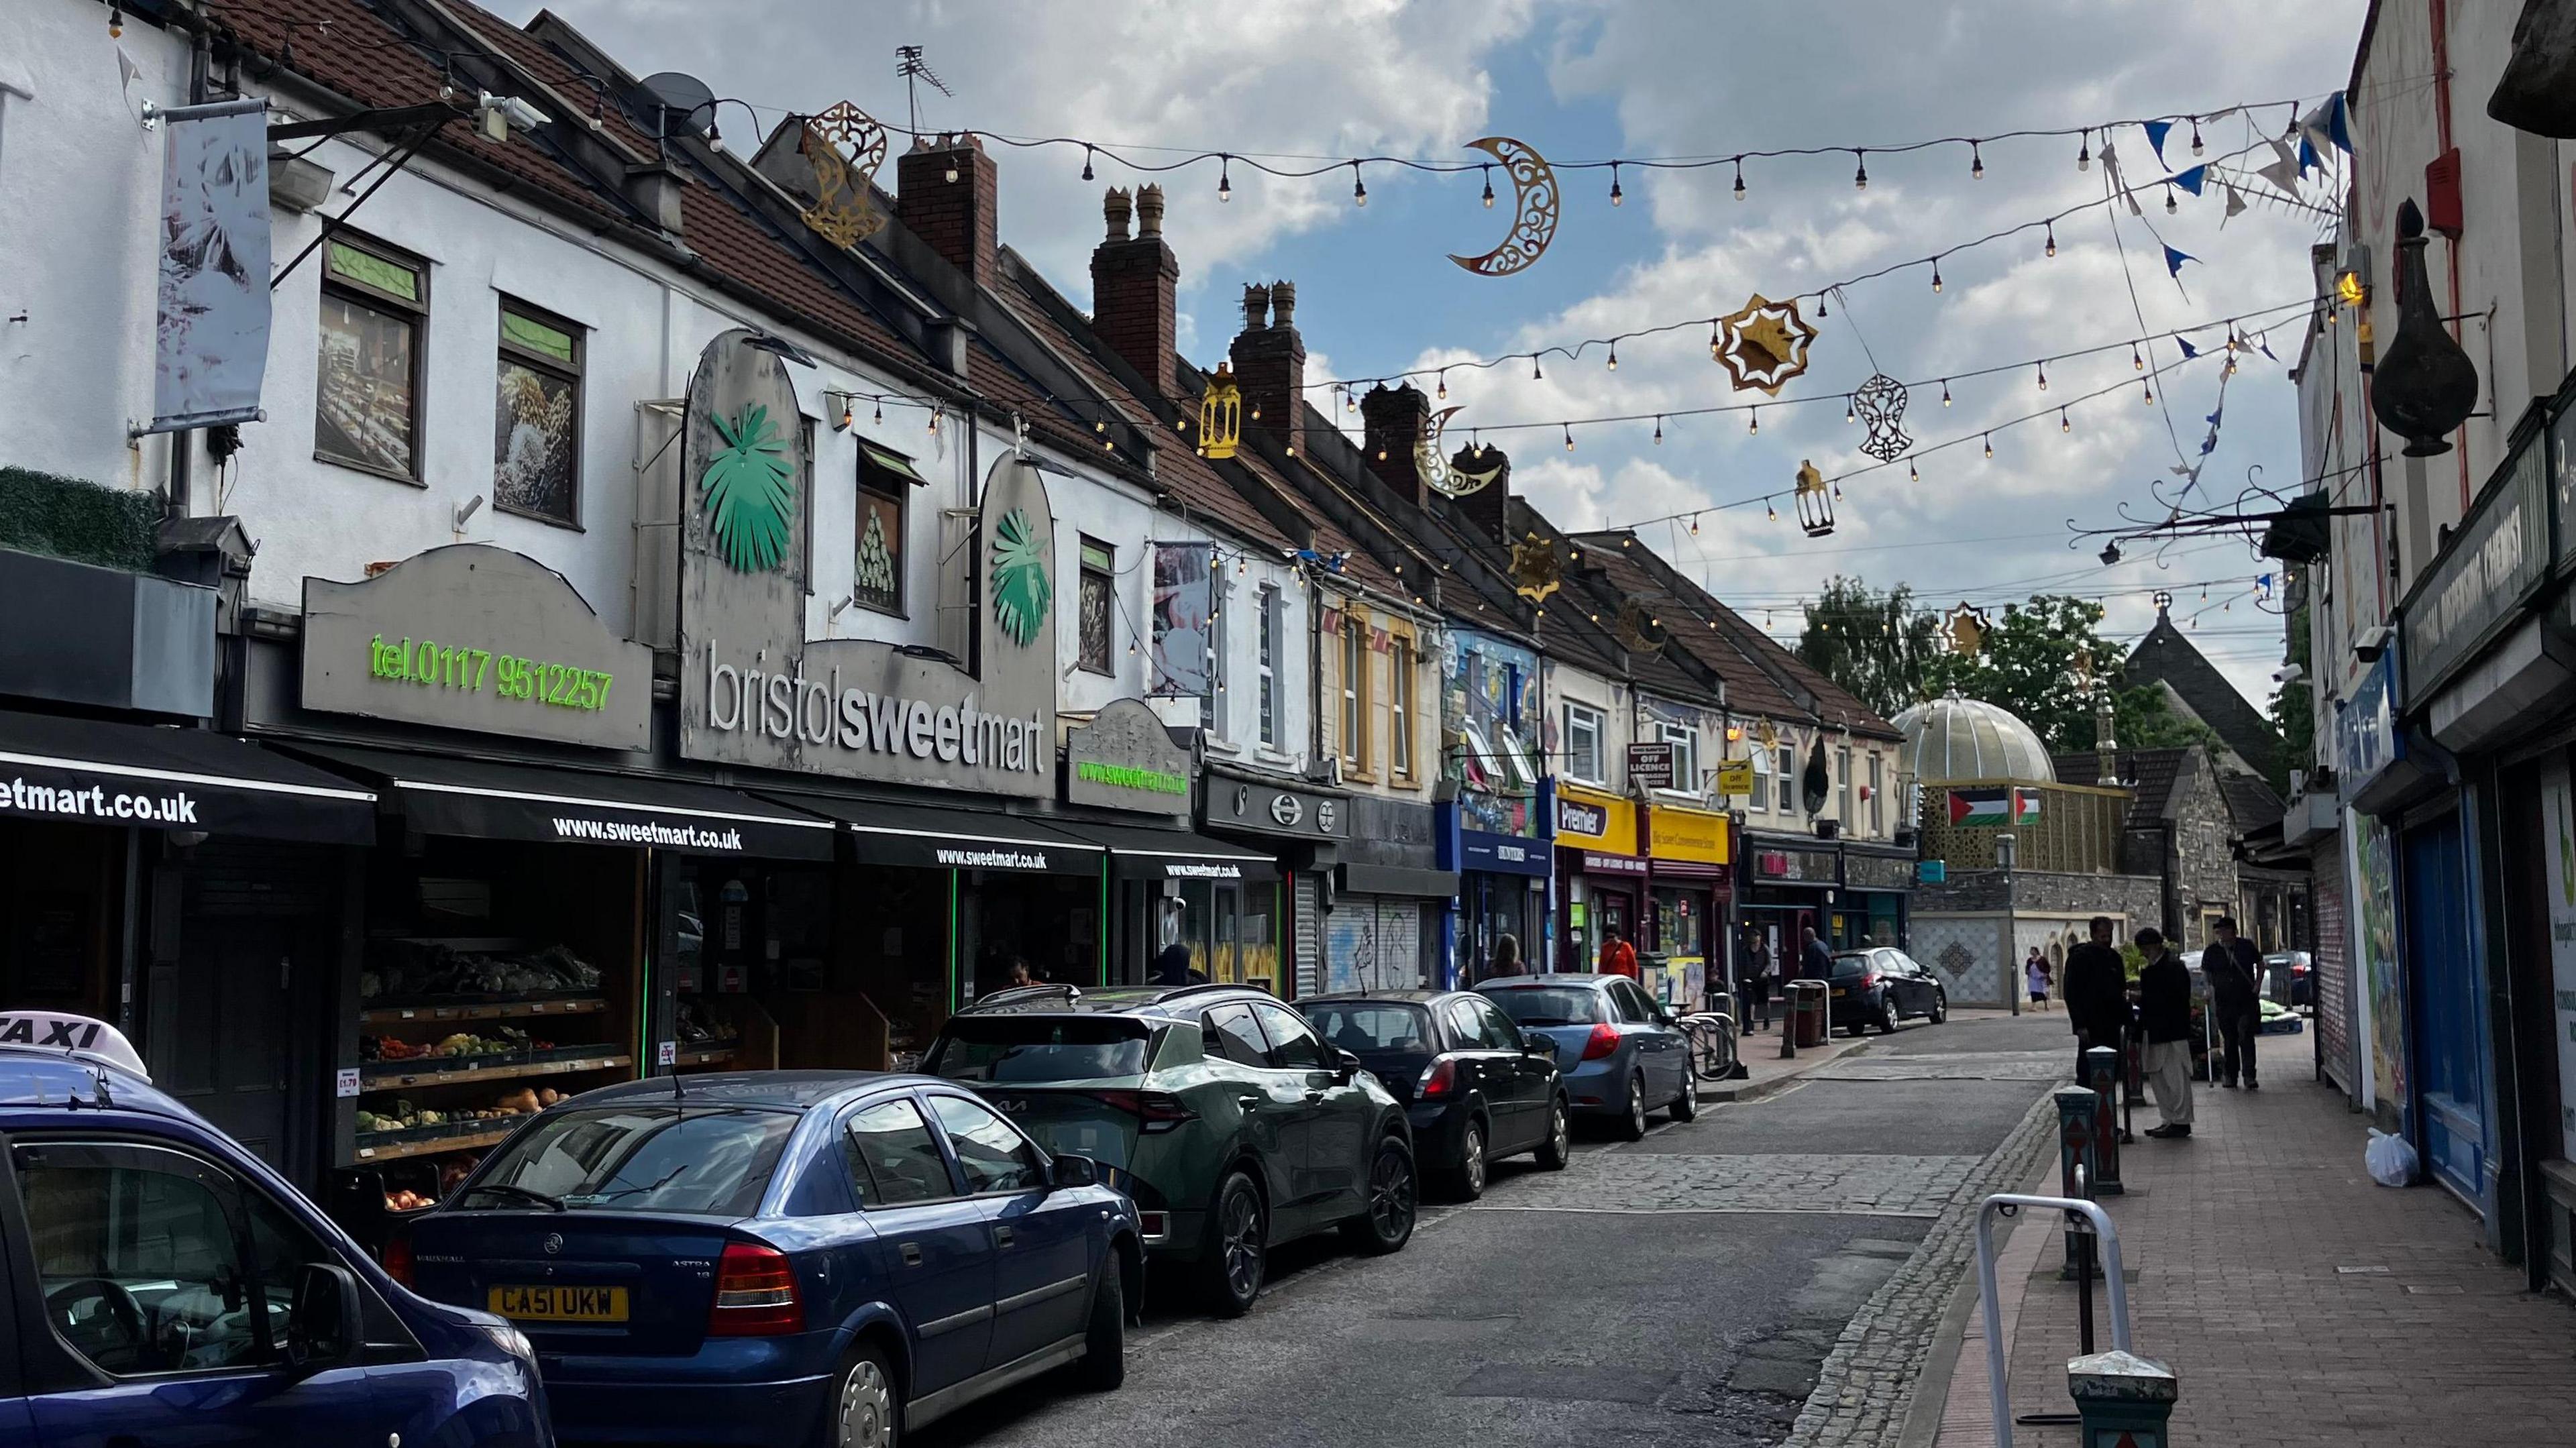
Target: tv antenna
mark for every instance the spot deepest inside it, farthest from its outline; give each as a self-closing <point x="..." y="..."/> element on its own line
<point x="914" y="70"/>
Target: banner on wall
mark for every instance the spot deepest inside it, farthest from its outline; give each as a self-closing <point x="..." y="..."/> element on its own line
<point x="1184" y="619"/>
<point x="2558" y="826"/>
<point x="212" y="343"/>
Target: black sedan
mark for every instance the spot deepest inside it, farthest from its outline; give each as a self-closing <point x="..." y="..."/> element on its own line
<point x="1881" y="986"/>
<point x="1473" y="1086"/>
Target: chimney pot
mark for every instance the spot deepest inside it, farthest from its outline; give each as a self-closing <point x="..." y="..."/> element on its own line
<point x="1395" y="419"/>
<point x="961" y="222"/>
<point x="1256" y="308"/>
<point x="1135" y="284"/>
<point x="1114" y="206"/>
<point x="1149" y="211"/>
<point x="1283" y="304"/>
<point x="1270" y="364"/>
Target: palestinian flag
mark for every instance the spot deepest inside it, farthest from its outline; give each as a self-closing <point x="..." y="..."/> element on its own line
<point x="2025" y="806"/>
<point x="1974" y="807"/>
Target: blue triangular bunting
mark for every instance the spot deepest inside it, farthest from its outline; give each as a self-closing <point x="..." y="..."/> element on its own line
<point x="2156" y="131"/>
<point x="2174" y="258"/>
<point x="2192" y="179"/>
<point x="2188" y="350"/>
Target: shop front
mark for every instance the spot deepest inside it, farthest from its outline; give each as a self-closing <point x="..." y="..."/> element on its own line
<point x="1687" y="953"/>
<point x="1877" y="884"/>
<point x="1601" y="872"/>
<point x="1389" y="897"/>
<point x="1502" y="891"/>
<point x="1791" y="885"/>
<point x="1303" y="832"/>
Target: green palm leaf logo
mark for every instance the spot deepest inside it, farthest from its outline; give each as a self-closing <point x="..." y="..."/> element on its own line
<point x="1021" y="591"/>
<point x="751" y="492"/>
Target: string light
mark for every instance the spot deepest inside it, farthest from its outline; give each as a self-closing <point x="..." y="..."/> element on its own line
<point x="1659" y="430"/>
<point x="1535" y="374"/>
<point x="1945" y="392"/>
<point x="1976" y="162"/>
<point x="2137" y="362"/>
<point x="1359" y="188"/>
<point x="880" y="412"/>
<point x="1086" y="163"/>
<point x="2148" y="387"/>
<point x="2084" y="153"/>
<point x="2051" y="249"/>
<point x="1569" y="440"/>
<point x="1716" y="341"/>
<point x="1614" y="356"/>
<point x="934" y="422"/>
<point x="2171" y="205"/>
<point x="116" y="22"/>
<point x="1755" y="423"/>
<point x="1739" y="181"/>
<point x="1444" y="387"/>
<point x="1990" y="445"/>
<point x="1616" y="195"/>
<point x="2043" y="375"/>
<point x="2062" y="424"/>
<point x="1911" y="475"/>
<point x="2195" y="135"/>
<point x="1860" y="177"/>
<point x="1225" y="178"/>
<point x="1936" y="276"/>
<point x="1850" y="413"/>
<point x="1772" y="512"/>
<point x="1694" y="525"/>
<point x="1489" y="187"/>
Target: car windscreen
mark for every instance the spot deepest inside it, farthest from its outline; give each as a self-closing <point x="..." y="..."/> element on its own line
<point x="1552" y="1005"/>
<point x="1852" y="965"/>
<point x="1040" y="1048"/>
<point x="639" y="1157"/>
<point x="1364" y="1026"/>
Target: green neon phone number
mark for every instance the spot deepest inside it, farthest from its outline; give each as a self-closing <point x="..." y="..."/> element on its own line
<point x="445" y="666"/>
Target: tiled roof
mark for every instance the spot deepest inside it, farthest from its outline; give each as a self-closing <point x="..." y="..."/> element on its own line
<point x="2250" y="803"/>
<point x="2166" y="655"/>
<point x="2150" y="775"/>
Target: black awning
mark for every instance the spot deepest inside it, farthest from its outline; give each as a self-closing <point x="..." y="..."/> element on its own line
<point x="1362" y="878"/>
<point x="1138" y="852"/>
<point x="928" y="837"/>
<point x="482" y="800"/>
<point x="174" y="779"/>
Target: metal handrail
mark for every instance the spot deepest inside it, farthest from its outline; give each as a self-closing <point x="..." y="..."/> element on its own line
<point x="1997" y="1369"/>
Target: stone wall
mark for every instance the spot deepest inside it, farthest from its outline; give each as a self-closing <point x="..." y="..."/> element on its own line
<point x="1958" y="926"/>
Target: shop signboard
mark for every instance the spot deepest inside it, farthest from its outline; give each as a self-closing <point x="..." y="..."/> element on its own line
<point x="2562" y="468"/>
<point x="1735" y="777"/>
<point x="1270" y="809"/>
<point x="475" y="637"/>
<point x="1591" y="820"/>
<point x="1650" y="766"/>
<point x="1809" y="867"/>
<point x="2366" y="736"/>
<point x="1125" y="759"/>
<point x="755" y="691"/>
<point x="2493" y="564"/>
<point x="1696" y="836"/>
<point x="1877" y="872"/>
<point x="1501" y="854"/>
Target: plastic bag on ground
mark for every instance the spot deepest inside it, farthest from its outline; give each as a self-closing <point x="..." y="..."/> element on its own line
<point x="2391" y="1160"/>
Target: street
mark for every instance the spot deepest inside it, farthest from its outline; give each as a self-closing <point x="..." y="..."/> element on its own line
<point x="1682" y="1289"/>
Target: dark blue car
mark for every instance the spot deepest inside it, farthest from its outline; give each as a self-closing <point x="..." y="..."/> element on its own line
<point x="784" y="1257"/>
<point x="162" y="1285"/>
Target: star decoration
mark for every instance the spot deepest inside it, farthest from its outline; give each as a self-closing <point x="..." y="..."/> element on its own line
<point x="1765" y="344"/>
<point x="1880" y="403"/>
<point x="1967" y="630"/>
<point x="1535" y="570"/>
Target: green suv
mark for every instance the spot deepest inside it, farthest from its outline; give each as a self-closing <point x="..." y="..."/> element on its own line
<point x="1216" y="1107"/>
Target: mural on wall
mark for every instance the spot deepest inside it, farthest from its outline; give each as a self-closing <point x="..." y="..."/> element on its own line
<point x="1490" y="714"/>
<point x="2383" y="999"/>
<point x="1373" y="944"/>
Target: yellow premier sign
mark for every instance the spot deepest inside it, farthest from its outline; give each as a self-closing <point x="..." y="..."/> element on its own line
<point x="1696" y="835"/>
<point x="1588" y="819"/>
<point x="1735" y="777"/>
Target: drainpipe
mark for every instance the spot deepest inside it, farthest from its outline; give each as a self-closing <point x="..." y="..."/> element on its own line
<point x="2441" y="23"/>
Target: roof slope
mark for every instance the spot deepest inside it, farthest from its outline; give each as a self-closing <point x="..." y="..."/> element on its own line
<point x="2165" y="656"/>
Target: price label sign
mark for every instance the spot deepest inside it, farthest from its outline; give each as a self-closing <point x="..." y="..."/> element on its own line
<point x="347" y="1084"/>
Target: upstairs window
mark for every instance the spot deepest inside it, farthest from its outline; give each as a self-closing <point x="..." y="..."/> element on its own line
<point x="1685" y="742"/>
<point x="1784" y="776"/>
<point x="886" y="481"/>
<point x="1268" y="663"/>
<point x="1583" y="743"/>
<point x="536" y="423"/>
<point x="1095" y="603"/>
<point x="375" y="302"/>
<point x="1400" y="700"/>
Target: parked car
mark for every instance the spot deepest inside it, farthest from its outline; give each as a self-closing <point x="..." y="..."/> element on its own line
<point x="167" y="1287"/>
<point x="1235" y="1128"/>
<point x="1621" y="1054"/>
<point x="1880" y="986"/>
<point x="1475" y="1088"/>
<point x="784" y="1256"/>
<point x="2299" y="970"/>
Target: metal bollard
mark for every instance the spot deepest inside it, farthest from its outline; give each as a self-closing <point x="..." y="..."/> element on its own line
<point x="1998" y="1367"/>
<point x="2124" y="1400"/>
<point x="2078" y="1159"/>
<point x="2101" y="1067"/>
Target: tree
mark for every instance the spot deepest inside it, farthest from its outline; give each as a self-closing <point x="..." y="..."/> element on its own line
<point x="1876" y="645"/>
<point x="2045" y="661"/>
<point x="2293" y="708"/>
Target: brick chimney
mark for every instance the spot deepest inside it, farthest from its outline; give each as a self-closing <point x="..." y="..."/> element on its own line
<point x="1134" y="283"/>
<point x="948" y="193"/>
<point x="1393" y="419"/>
<point x="1270" y="364"/>
<point x="1489" y="507"/>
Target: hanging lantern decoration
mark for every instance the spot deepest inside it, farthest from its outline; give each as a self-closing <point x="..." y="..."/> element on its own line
<point x="845" y="146"/>
<point x="1815" y="501"/>
<point x="1536" y="573"/>
<point x="1880" y="403"/>
<point x="1221" y="415"/>
<point x="2426" y="386"/>
<point x="1764" y="345"/>
<point x="1967" y="627"/>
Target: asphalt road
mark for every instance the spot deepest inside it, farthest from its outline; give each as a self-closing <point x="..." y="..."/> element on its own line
<point x="1680" y="1290"/>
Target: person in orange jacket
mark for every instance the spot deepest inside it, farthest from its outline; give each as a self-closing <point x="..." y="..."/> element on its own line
<point x="1618" y="957"/>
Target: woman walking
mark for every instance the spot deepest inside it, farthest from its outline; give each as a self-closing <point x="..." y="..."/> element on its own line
<point x="2036" y="970"/>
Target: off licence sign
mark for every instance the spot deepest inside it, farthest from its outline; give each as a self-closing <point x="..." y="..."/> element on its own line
<point x="560" y="1304"/>
<point x="1650" y="766"/>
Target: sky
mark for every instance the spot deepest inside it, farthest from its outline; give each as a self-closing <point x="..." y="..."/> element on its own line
<point x="1601" y="79"/>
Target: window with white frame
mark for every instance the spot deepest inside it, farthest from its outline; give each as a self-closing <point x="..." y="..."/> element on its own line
<point x="1583" y="743"/>
<point x="1842" y="786"/>
<point x="1399" y="697"/>
<point x="1784" y="777"/>
<point x="1267" y="662"/>
<point x="1213" y="714"/>
<point x="1355" y="755"/>
<point x="1759" y="802"/>
<point x="1877" y="794"/>
<point x="1685" y="742"/>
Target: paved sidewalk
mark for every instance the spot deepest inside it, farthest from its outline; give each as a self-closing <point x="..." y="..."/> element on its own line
<point x="1760" y="1053"/>
<point x="2298" y="1302"/>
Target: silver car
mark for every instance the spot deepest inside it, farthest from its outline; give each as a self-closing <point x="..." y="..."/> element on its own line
<point x="1621" y="1054"/>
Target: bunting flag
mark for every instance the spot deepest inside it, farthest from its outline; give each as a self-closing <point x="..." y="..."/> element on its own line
<point x="2156" y="131"/>
<point x="2119" y="183"/>
<point x="2235" y="205"/>
<point x="2174" y="258"/>
<point x="2192" y="179"/>
<point x="2329" y="124"/>
<point x="2307" y="154"/>
<point x="2263" y="340"/>
<point x="2188" y="351"/>
<point x="2284" y="170"/>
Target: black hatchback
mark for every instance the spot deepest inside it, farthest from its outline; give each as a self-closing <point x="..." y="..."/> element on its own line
<point x="1473" y="1086"/>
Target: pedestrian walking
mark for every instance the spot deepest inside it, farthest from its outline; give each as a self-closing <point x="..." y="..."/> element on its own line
<point x="2096" y="991"/>
<point x="1173" y="967"/>
<point x="1758" y="970"/>
<point x="1618" y="957"/>
<point x="2164" y="1013"/>
<point x="1506" y="959"/>
<point x="1815" y="961"/>
<point x="2232" y="965"/>
<point x="2035" y="976"/>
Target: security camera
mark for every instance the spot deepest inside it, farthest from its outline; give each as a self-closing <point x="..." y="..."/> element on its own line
<point x="2289" y="674"/>
<point x="512" y="109"/>
<point x="2371" y="644"/>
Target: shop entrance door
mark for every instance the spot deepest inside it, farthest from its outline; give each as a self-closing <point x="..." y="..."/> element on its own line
<point x="2451" y="1052"/>
<point x="227" y="1045"/>
<point x="1612" y="911"/>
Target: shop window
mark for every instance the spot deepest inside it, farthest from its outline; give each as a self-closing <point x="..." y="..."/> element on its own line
<point x="1400" y="704"/>
<point x="1784" y="777"/>
<point x="1685" y="742"/>
<point x="1267" y="661"/>
<point x="1877" y="796"/>
<point x="886" y="481"/>
<point x="1096" y="601"/>
<point x="375" y="301"/>
<point x="893" y="1159"/>
<point x="1842" y="786"/>
<point x="1583" y="743"/>
<point x="991" y="1151"/>
<point x="536" y="424"/>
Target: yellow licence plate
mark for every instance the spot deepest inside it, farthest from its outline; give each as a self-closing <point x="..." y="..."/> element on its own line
<point x="1839" y="993"/>
<point x="560" y="1304"/>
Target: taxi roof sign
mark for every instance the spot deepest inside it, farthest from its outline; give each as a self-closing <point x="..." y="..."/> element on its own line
<point x="81" y="1037"/>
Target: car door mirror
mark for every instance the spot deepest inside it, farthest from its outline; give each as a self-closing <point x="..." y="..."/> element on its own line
<point x="1667" y="1018"/>
<point x="325" y="1325"/>
<point x="1345" y="1065"/>
<point x="1539" y="1046"/>
<point x="1073" y="1171"/>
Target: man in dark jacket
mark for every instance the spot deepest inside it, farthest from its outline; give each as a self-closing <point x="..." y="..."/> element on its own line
<point x="2232" y="965"/>
<point x="2096" y="990"/>
<point x="1814" y="958"/>
<point x="2164" y="1015"/>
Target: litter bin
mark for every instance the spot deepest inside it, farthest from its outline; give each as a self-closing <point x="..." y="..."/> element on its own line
<point x="1807" y="1008"/>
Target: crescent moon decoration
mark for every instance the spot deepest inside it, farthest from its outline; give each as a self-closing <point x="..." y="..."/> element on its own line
<point x="1880" y="403"/>
<point x="846" y="146"/>
<point x="1639" y="631"/>
<point x="1534" y="209"/>
<point x="1428" y="463"/>
<point x="1536" y="573"/>
<point x="1764" y="345"/>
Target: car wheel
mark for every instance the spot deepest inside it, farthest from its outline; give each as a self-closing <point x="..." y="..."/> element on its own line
<point x="1685" y="1107"/>
<point x="865" y="1412"/>
<point x="1940" y="1007"/>
<point x="1468" y="1182"/>
<point x="1238" y="1248"/>
<point x="1887" y="1019"/>
<point x="1557" y="1150"/>
<point x="1394" y="1198"/>
<point x="1104" y="1344"/>
<point x="1632" y="1127"/>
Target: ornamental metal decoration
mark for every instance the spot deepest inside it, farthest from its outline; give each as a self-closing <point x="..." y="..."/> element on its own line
<point x="1221" y="415"/>
<point x="1763" y="345"/>
<point x="1430" y="465"/>
<point x="1880" y="405"/>
<point x="1967" y="628"/>
<point x="1534" y="208"/>
<point x="1536" y="571"/>
<point x="847" y="147"/>
<point x="1639" y="631"/>
<point x="1022" y="591"/>
<point x="1815" y="501"/>
<point x="750" y="488"/>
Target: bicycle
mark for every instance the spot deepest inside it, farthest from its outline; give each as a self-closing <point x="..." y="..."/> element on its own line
<point x="1712" y="1044"/>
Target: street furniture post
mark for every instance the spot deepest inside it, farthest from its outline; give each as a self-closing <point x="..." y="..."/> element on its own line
<point x="2101" y="1067"/>
<point x="2078" y="1159"/>
<point x="2124" y="1400"/>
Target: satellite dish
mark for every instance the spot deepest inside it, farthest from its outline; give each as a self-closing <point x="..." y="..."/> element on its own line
<point x="684" y="98"/>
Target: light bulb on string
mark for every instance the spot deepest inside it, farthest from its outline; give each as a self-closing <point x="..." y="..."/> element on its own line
<point x="1614" y="356"/>
<point x="949" y="176"/>
<point x="1772" y="512"/>
<point x="1912" y="473"/>
<point x="2043" y="375"/>
<point x="2051" y="228"/>
<point x="2084" y="153"/>
<point x="2149" y="389"/>
<point x="1444" y="384"/>
<point x="2062" y="424"/>
<point x="1716" y="342"/>
<point x="1694" y="525"/>
<point x="1616" y="195"/>
<point x="1489" y="186"/>
<point x="1755" y="424"/>
<point x="1945" y="392"/>
<point x="1739" y="178"/>
<point x="1838" y="490"/>
<point x="2136" y="361"/>
<point x="934" y="422"/>
<point x="1850" y="413"/>
<point x="1359" y="188"/>
<point x="2171" y="205"/>
<point x="880" y="418"/>
<point x="2195" y="135"/>
<point x="1860" y="176"/>
<point x="1936" y="276"/>
<point x="1976" y="162"/>
<point x="1990" y="445"/>
<point x="1225" y="178"/>
<point x="1535" y="374"/>
<point x="1569" y="436"/>
<point x="1659" y="430"/>
<point x="1350" y="400"/>
<point x="1086" y="163"/>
